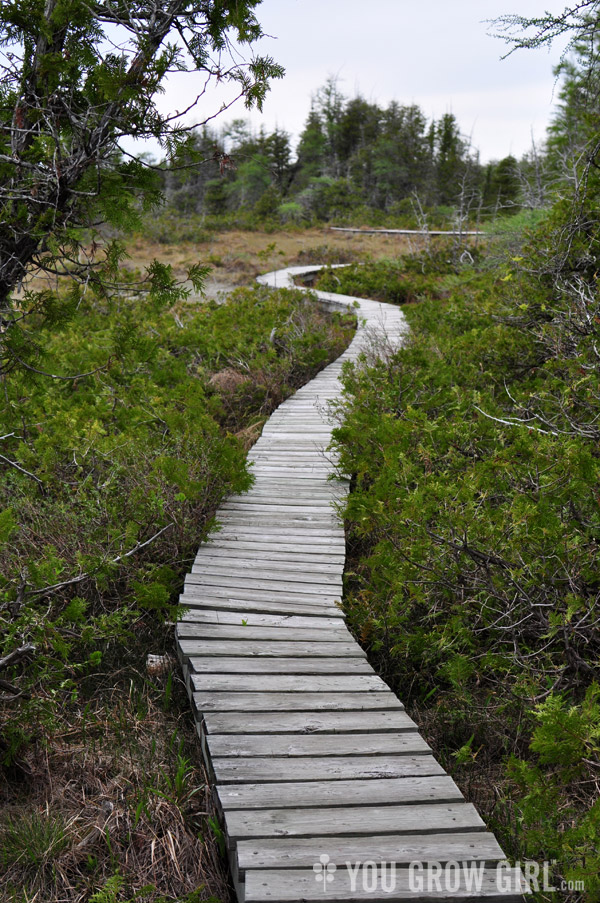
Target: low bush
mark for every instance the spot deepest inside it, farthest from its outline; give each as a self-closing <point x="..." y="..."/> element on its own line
<point x="404" y="280"/>
<point x="472" y="530"/>
<point x="109" y="481"/>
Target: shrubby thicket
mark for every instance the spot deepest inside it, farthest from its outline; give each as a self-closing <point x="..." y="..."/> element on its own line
<point x="474" y="523"/>
<point x="111" y="480"/>
<point x="109" y="483"/>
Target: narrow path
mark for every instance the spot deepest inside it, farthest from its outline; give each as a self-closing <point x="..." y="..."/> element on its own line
<point x="315" y="761"/>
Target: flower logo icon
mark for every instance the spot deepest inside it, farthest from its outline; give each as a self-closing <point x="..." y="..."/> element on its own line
<point x="324" y="870"/>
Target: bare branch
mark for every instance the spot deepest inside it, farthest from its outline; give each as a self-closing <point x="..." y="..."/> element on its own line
<point x="46" y="590"/>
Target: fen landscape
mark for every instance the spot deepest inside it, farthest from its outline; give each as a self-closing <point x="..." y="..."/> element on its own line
<point x="140" y="364"/>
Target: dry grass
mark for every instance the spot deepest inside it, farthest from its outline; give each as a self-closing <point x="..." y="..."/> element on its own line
<point x="237" y="257"/>
<point x="117" y="805"/>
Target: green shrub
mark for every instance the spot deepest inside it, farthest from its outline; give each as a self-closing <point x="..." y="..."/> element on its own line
<point x="472" y="531"/>
<point x="110" y="481"/>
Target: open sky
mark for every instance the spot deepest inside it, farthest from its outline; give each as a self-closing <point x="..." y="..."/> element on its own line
<point x="435" y="53"/>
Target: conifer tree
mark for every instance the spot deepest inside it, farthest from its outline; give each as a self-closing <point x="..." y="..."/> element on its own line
<point x="76" y="78"/>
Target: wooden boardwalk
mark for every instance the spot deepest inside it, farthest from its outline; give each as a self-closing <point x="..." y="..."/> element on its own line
<point x="315" y="762"/>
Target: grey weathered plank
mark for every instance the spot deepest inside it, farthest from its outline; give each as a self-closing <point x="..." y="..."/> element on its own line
<point x="214" y="551"/>
<point x="207" y="701"/>
<point x="299" y="886"/>
<point x="261" y="665"/>
<point x="305" y="564"/>
<point x="314" y="794"/>
<point x="281" y="508"/>
<point x="325" y="722"/>
<point x="315" y="523"/>
<point x="401" y="849"/>
<point x="323" y="768"/>
<point x="264" y="572"/>
<point x="295" y="536"/>
<point x="254" y="619"/>
<point x="268" y="499"/>
<point x="291" y="683"/>
<point x="198" y="600"/>
<point x="273" y="648"/>
<point x="225" y="540"/>
<point x="301" y="745"/>
<point x="273" y="594"/>
<point x="246" y="582"/>
<point x="247" y="543"/>
<point x="429" y="818"/>
<point x="196" y="630"/>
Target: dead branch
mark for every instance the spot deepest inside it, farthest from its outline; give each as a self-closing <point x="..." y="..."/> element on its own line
<point x="46" y="590"/>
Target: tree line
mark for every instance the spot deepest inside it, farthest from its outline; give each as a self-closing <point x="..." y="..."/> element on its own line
<point x="351" y="154"/>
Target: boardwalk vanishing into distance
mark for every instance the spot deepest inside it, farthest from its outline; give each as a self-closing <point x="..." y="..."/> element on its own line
<point x="325" y="786"/>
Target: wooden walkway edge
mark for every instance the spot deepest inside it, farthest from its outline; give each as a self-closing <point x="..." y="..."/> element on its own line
<point x="424" y="233"/>
<point x="325" y="787"/>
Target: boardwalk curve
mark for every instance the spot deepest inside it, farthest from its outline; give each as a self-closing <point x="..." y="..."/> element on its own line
<point x="326" y="788"/>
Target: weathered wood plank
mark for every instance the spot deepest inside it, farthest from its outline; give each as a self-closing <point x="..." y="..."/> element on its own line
<point x="273" y="594"/>
<point x="249" y="542"/>
<point x="197" y="630"/>
<point x="262" y="470"/>
<point x="206" y="701"/>
<point x="315" y="794"/>
<point x="265" y="497"/>
<point x="301" y="745"/>
<point x="295" y="536"/>
<point x="430" y="818"/>
<point x="274" y="648"/>
<point x="281" y="582"/>
<point x="311" y="524"/>
<point x="196" y="601"/>
<point x="236" y="552"/>
<point x="261" y="665"/>
<point x="323" y="768"/>
<point x="401" y="849"/>
<point x="306" y="564"/>
<point x="299" y="886"/>
<point x="281" y="508"/>
<point x="253" y="619"/>
<point x="271" y="573"/>
<point x="291" y="683"/>
<point x="326" y="722"/>
<point x="308" y="522"/>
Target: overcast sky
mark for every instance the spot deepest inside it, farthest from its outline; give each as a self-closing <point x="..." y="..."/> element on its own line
<point x="435" y="53"/>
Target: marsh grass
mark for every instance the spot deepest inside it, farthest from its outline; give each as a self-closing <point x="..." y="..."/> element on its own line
<point x="118" y="802"/>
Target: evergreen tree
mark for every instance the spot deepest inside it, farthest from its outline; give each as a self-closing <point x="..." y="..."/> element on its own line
<point x="502" y="186"/>
<point x="329" y="103"/>
<point x="311" y="150"/>
<point x="450" y="157"/>
<point x="77" y="77"/>
<point x="401" y="159"/>
<point x="574" y="133"/>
